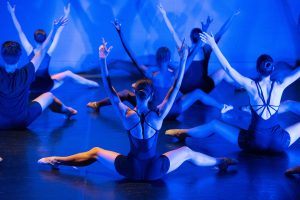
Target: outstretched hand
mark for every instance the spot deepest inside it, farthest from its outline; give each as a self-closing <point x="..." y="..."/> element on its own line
<point x="117" y="25"/>
<point x="60" y="22"/>
<point x="207" y="39"/>
<point x="205" y="26"/>
<point x="11" y="9"/>
<point x="67" y="10"/>
<point x="183" y="50"/>
<point x="161" y="9"/>
<point x="103" y="50"/>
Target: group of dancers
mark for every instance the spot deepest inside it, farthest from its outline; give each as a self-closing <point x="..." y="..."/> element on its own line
<point x="165" y="92"/>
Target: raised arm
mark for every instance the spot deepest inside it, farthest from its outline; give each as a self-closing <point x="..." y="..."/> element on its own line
<point x="168" y="101"/>
<point x="292" y="77"/>
<point x="205" y="25"/>
<point x="199" y="44"/>
<point x="141" y="68"/>
<point x="25" y="43"/>
<point x="225" y="26"/>
<point x="39" y="56"/>
<point x="110" y="91"/>
<point x="169" y="25"/>
<point x="57" y="35"/>
<point x="236" y="76"/>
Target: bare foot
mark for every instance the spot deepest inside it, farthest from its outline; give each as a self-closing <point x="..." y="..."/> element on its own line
<point x="226" y="108"/>
<point x="94" y="106"/>
<point x="69" y="112"/>
<point x="245" y="109"/>
<point x="51" y="161"/>
<point x="224" y="163"/>
<point x="92" y="84"/>
<point x="180" y="134"/>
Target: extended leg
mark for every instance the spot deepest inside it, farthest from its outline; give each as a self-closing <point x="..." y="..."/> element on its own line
<point x="45" y="100"/>
<point x="48" y="99"/>
<point x="189" y="99"/>
<point x="179" y="156"/>
<point x="228" y="132"/>
<point x="106" y="157"/>
<point x="61" y="77"/>
<point x="124" y="95"/>
<point x="294" y="132"/>
<point x="220" y="75"/>
<point x="289" y="106"/>
<point x="58" y="107"/>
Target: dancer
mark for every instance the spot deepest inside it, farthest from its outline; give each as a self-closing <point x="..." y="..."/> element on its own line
<point x="143" y="124"/>
<point x="285" y="106"/>
<point x="45" y="82"/>
<point x="264" y="132"/>
<point x="162" y="77"/>
<point x="281" y="70"/>
<point x="196" y="73"/>
<point x="16" y="112"/>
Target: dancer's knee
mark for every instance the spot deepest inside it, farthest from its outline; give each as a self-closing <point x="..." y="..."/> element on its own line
<point x="187" y="151"/>
<point x="215" y="124"/>
<point x="94" y="152"/>
<point x="68" y="72"/>
<point x="199" y="94"/>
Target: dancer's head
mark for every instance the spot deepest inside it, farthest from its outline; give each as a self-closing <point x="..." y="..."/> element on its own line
<point x="143" y="89"/>
<point x="195" y="35"/>
<point x="11" y="52"/>
<point x="264" y="65"/>
<point x="40" y="36"/>
<point x="163" y="56"/>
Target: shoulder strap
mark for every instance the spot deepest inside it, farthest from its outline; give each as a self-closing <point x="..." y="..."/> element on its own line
<point x="142" y="121"/>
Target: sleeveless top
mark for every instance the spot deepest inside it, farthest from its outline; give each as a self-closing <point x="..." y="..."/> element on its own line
<point x="43" y="69"/>
<point x="145" y="148"/>
<point x="257" y="122"/>
<point x="43" y="82"/>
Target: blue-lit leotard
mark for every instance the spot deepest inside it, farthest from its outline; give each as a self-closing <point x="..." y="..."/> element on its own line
<point x="142" y="161"/>
<point x="264" y="135"/>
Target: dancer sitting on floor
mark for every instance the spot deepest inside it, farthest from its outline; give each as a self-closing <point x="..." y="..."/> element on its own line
<point x="196" y="73"/>
<point x="44" y="82"/>
<point x="162" y="78"/>
<point x="143" y="124"/>
<point x="281" y="70"/>
<point x="15" y="111"/>
<point x="264" y="132"/>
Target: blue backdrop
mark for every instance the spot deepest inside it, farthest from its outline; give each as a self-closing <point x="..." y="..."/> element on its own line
<point x="263" y="26"/>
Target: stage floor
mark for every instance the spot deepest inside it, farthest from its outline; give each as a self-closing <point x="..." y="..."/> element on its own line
<point x="256" y="176"/>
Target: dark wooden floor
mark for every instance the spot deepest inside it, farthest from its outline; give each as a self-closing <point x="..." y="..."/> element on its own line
<point x="256" y="177"/>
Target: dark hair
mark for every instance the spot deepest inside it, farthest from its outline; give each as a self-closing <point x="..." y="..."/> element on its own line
<point x="11" y="52"/>
<point x="40" y="36"/>
<point x="264" y="65"/>
<point x="194" y="35"/>
<point x="163" y="54"/>
<point x="143" y="88"/>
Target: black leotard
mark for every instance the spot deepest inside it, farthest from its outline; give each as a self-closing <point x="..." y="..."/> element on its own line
<point x="43" y="82"/>
<point x="142" y="161"/>
<point x="264" y="135"/>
